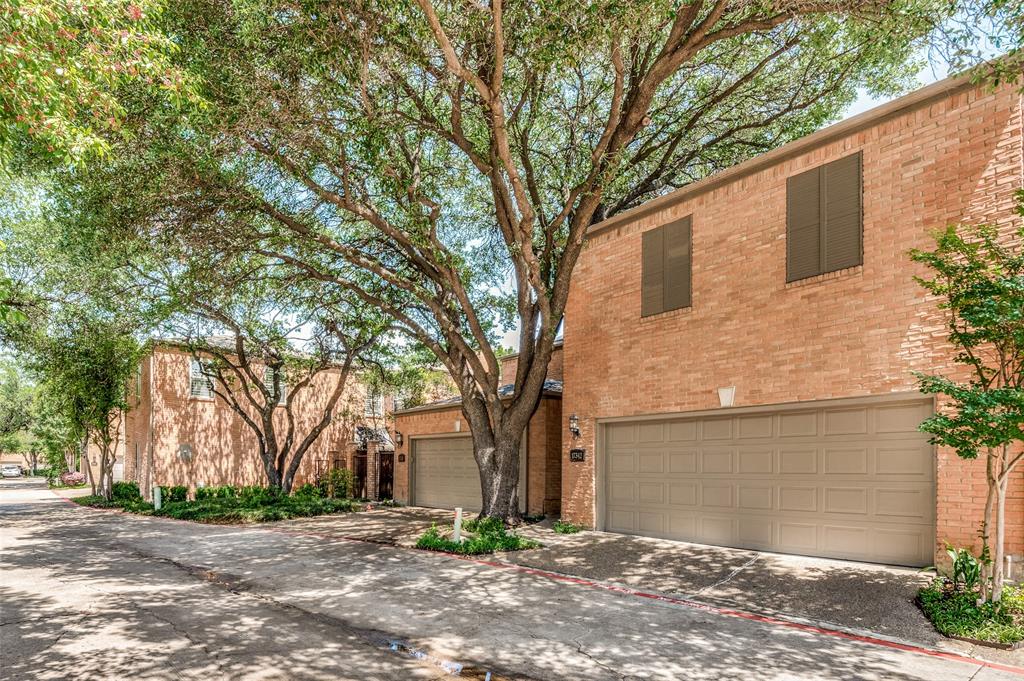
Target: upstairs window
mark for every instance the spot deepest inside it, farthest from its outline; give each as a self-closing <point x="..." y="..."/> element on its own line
<point x="268" y="383"/>
<point x="200" y="383"/>
<point x="824" y="219"/>
<point x="666" y="268"/>
<point x="374" y="404"/>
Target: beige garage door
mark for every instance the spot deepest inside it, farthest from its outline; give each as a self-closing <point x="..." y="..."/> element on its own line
<point x="445" y="474"/>
<point x="852" y="481"/>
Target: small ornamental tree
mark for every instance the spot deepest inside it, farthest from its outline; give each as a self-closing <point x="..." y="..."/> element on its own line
<point x="979" y="279"/>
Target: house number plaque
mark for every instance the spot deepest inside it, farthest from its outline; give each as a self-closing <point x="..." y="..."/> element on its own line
<point x="577" y="454"/>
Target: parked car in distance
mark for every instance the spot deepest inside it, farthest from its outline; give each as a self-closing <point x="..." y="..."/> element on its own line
<point x="10" y="470"/>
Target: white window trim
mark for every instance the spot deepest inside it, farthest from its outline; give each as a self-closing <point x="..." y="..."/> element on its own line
<point x="196" y="379"/>
<point x="268" y="383"/>
<point x="374" y="404"/>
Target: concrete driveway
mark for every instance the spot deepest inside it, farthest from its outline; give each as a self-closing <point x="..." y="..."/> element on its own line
<point x="95" y="594"/>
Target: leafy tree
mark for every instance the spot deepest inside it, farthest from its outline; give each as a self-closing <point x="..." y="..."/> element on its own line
<point x="62" y="65"/>
<point x="59" y="438"/>
<point x="444" y="161"/>
<point x="15" y="401"/>
<point x="273" y="350"/>
<point x="87" y="362"/>
<point x="979" y="280"/>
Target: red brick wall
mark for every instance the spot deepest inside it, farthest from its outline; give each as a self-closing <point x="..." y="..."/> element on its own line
<point x="509" y="365"/>
<point x="543" y="462"/>
<point x="224" y="447"/>
<point x="857" y="332"/>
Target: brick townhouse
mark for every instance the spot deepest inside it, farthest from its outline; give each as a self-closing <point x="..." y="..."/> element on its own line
<point x="177" y="432"/>
<point x="435" y="465"/>
<point x="739" y="353"/>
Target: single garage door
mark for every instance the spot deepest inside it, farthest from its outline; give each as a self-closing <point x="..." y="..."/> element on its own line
<point x="852" y="481"/>
<point x="445" y="474"/>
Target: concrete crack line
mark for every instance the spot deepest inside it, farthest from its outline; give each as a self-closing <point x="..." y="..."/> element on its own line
<point x="580" y="651"/>
<point x="728" y="577"/>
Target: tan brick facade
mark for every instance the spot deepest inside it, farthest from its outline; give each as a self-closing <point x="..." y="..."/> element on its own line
<point x="955" y="156"/>
<point x="543" y="447"/>
<point x="163" y="416"/>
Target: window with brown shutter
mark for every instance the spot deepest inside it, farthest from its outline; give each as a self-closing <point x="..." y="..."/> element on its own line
<point x="824" y="219"/>
<point x="665" y="276"/>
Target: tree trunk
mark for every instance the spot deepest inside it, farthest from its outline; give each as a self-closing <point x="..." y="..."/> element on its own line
<point x="984" y="582"/>
<point x="997" y="568"/>
<point x="498" y="458"/>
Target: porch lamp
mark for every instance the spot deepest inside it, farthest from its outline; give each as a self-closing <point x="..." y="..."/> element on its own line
<point x="574" y="426"/>
<point x="398" y="438"/>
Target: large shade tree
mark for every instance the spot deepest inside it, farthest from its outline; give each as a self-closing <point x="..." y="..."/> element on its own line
<point x="444" y="160"/>
<point x="280" y="352"/>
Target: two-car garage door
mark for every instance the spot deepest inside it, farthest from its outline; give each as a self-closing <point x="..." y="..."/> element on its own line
<point x="853" y="481"/>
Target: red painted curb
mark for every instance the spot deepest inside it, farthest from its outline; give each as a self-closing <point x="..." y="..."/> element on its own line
<point x="636" y="593"/>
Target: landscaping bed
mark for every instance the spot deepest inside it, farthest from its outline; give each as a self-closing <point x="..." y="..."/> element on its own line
<point x="223" y="505"/>
<point x="956" y="614"/>
<point x="479" y="536"/>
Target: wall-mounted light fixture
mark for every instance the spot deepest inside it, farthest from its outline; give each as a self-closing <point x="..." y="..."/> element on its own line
<point x="574" y="426"/>
<point x="398" y="438"/>
<point x="727" y="395"/>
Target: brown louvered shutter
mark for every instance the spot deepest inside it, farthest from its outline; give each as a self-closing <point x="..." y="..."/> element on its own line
<point x="803" y="225"/>
<point x="652" y="276"/>
<point x="841" y="240"/>
<point x="677" y="264"/>
<point x="824" y="219"/>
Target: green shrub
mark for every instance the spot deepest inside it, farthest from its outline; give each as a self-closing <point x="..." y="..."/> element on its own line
<point x="338" y="483"/>
<point x="237" y="510"/>
<point x="565" y="527"/>
<point x="175" y="493"/>
<point x="125" y="491"/>
<point x="955" y="612"/>
<point x="309" y="490"/>
<point x="136" y="505"/>
<point x="216" y="492"/>
<point x="484" y="535"/>
<point x="257" y="495"/>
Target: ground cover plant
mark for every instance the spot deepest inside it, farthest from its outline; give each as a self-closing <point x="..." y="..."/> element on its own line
<point x="956" y="606"/>
<point x="956" y="612"/>
<point x="483" y="535"/>
<point x="222" y="505"/>
<point x="565" y="527"/>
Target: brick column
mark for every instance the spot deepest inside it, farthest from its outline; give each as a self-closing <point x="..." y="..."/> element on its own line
<point x="372" y="469"/>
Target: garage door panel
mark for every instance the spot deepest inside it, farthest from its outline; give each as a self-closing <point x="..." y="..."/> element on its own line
<point x="682" y="431"/>
<point x="716" y="429"/>
<point x="798" y="461"/>
<point x="651" y="462"/>
<point x="799" y="499"/>
<point x="798" y="424"/>
<point x="909" y="461"/>
<point x="901" y="418"/>
<point x="755" y="497"/>
<point x="756" y="532"/>
<point x="716" y="495"/>
<point x="820" y="481"/>
<point x="445" y="474"/>
<point x="682" y="493"/>
<point x="756" y="461"/>
<point x="716" y="461"/>
<point x="850" y="500"/>
<point x="682" y="462"/>
<point x="755" y="427"/>
<point x="846" y="461"/>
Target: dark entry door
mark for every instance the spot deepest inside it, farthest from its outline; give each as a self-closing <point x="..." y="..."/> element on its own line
<point x="359" y="476"/>
<point x="385" y="475"/>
